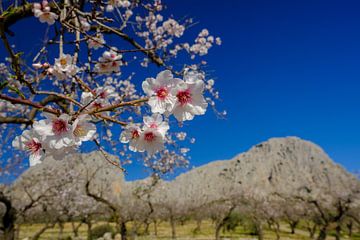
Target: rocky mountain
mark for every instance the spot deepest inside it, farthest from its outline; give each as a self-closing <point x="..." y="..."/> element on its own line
<point x="280" y="165"/>
<point x="285" y="166"/>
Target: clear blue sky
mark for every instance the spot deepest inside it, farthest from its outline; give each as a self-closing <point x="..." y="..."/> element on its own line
<point x="286" y="68"/>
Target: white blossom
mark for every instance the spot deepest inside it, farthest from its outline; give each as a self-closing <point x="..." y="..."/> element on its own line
<point x="109" y="62"/>
<point x="55" y="131"/>
<point x="85" y="25"/>
<point x="173" y="28"/>
<point x="96" y="42"/>
<point x="159" y="90"/>
<point x="117" y="3"/>
<point x="131" y="135"/>
<point x="156" y="122"/>
<point x="151" y="140"/>
<point x="83" y="129"/>
<point x="63" y="67"/>
<point x="43" y="12"/>
<point x="190" y="100"/>
<point x="30" y="142"/>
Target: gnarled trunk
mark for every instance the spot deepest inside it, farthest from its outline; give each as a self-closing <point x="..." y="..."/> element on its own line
<point x="338" y="232"/>
<point x="89" y="226"/>
<point x="323" y="233"/>
<point x="8" y="219"/>
<point x="173" y="228"/>
<point x="259" y="230"/>
<point x="123" y="231"/>
<point x="218" y="230"/>
<point x="76" y="228"/>
<point x="197" y="229"/>
<point x="38" y="234"/>
<point x="293" y="225"/>
<point x="349" y="227"/>
<point x="155" y="228"/>
<point x="277" y="230"/>
<point x="61" y="230"/>
<point x="311" y="230"/>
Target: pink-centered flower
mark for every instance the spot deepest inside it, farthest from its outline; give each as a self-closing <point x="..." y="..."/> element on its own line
<point x="159" y="90"/>
<point x="83" y="130"/>
<point x="63" y="67"/>
<point x="43" y="12"/>
<point x="131" y="134"/>
<point x="30" y="142"/>
<point x="151" y="140"/>
<point x="109" y="62"/>
<point x="56" y="131"/>
<point x="96" y="42"/>
<point x="156" y="122"/>
<point x="189" y="100"/>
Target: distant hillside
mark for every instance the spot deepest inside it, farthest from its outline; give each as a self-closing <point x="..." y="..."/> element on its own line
<point x="281" y="165"/>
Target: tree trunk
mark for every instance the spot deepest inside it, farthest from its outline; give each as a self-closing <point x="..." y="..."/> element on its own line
<point x="323" y="233"/>
<point x="61" y="230"/>
<point x="8" y="219"/>
<point x="259" y="230"/>
<point x="89" y="225"/>
<point x="218" y="230"/>
<point x="197" y="229"/>
<point x="76" y="228"/>
<point x="349" y="226"/>
<point x="17" y="232"/>
<point x="155" y="228"/>
<point x="123" y="231"/>
<point x="311" y="230"/>
<point x="173" y="229"/>
<point x="37" y="235"/>
<point x="9" y="234"/>
<point x="146" y="230"/>
<point x="338" y="232"/>
<point x="277" y="230"/>
<point x="293" y="225"/>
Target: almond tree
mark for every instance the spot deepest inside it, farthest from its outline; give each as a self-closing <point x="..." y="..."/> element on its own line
<point x="79" y="87"/>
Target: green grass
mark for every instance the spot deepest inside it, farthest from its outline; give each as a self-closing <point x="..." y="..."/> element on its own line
<point x="183" y="232"/>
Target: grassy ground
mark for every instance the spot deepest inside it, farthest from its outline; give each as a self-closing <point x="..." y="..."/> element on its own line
<point x="164" y="232"/>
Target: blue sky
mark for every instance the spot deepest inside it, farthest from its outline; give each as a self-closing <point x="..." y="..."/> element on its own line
<point x="286" y="68"/>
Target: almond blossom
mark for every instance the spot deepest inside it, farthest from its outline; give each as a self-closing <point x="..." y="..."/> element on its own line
<point x="55" y="131"/>
<point x="85" y="25"/>
<point x="73" y="88"/>
<point x="131" y="135"/>
<point x="173" y="28"/>
<point x="159" y="89"/>
<point x="64" y="67"/>
<point x="151" y="140"/>
<point x="190" y="100"/>
<point x="99" y="98"/>
<point x="117" y="3"/>
<point x="156" y="122"/>
<point x="110" y="62"/>
<point x="43" y="12"/>
<point x="96" y="42"/>
<point x="82" y="129"/>
<point x="29" y="141"/>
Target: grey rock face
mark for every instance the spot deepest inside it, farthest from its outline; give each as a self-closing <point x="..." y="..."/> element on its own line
<point x="279" y="165"/>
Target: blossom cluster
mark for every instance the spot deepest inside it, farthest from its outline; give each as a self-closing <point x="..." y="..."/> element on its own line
<point x="92" y="85"/>
<point x="182" y="98"/>
<point x="55" y="136"/>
